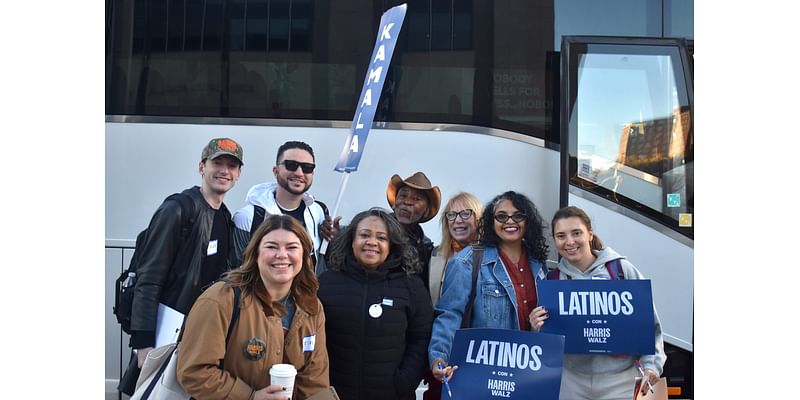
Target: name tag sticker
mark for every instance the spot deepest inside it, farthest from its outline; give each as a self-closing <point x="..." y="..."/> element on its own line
<point x="308" y="343"/>
<point x="212" y="248"/>
<point x="387" y="302"/>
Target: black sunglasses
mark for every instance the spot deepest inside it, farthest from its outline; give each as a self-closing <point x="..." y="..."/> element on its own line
<point x="464" y="214"/>
<point x="516" y="217"/>
<point x="292" y="165"/>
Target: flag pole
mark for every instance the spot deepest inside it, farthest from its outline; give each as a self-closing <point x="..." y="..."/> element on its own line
<point x="345" y="176"/>
<point x="388" y="32"/>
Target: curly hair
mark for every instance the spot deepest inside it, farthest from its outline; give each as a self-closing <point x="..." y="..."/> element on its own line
<point x="533" y="239"/>
<point x="248" y="277"/>
<point x="342" y="246"/>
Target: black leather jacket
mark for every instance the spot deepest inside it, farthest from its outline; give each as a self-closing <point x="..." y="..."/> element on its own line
<point x="168" y="272"/>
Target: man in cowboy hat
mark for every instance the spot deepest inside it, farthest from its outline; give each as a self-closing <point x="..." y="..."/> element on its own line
<point x="415" y="201"/>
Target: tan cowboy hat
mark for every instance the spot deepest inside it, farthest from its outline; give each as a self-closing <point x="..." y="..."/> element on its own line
<point x="417" y="181"/>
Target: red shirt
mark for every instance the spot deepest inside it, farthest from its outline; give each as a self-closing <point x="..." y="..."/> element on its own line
<point x="524" y="287"/>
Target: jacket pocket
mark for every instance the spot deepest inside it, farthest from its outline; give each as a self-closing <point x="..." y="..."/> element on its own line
<point x="495" y="301"/>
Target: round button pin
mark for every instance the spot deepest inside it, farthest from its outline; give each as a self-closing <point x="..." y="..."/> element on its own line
<point x="375" y="310"/>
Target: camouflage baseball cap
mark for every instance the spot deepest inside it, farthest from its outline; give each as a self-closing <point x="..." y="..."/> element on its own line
<point x="223" y="146"/>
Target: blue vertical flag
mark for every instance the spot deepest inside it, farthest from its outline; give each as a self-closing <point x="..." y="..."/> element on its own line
<point x="389" y="29"/>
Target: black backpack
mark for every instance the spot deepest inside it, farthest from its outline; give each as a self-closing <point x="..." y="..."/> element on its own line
<point x="126" y="283"/>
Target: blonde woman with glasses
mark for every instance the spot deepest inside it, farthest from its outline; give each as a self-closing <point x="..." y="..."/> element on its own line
<point x="459" y="223"/>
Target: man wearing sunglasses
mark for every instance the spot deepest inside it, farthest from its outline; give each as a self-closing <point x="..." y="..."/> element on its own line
<point x="294" y="174"/>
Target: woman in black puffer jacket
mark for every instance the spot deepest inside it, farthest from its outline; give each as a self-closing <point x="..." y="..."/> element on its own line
<point x="378" y="313"/>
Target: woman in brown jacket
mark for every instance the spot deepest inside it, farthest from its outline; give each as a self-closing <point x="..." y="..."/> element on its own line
<point x="281" y="322"/>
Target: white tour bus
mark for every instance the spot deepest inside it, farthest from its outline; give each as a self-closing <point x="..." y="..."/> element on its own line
<point x="603" y="123"/>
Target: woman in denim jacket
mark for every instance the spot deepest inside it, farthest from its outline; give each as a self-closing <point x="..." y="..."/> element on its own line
<point x="512" y="233"/>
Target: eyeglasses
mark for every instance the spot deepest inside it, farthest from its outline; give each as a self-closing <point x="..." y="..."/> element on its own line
<point x="516" y="217"/>
<point x="464" y="214"/>
<point x="292" y="165"/>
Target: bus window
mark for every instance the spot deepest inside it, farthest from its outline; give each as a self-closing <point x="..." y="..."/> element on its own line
<point x="630" y="129"/>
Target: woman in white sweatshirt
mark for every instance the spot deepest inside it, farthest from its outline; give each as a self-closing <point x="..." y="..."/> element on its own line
<point x="583" y="256"/>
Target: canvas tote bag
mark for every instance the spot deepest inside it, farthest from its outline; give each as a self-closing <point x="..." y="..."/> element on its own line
<point x="158" y="379"/>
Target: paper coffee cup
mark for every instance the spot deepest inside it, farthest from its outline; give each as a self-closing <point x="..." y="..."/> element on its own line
<point x="283" y="375"/>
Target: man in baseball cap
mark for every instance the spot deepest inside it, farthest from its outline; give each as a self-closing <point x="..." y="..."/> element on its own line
<point x="187" y="246"/>
<point x="415" y="201"/>
<point x="222" y="146"/>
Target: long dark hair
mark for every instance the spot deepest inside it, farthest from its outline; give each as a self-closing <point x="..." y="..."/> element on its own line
<point x="572" y="211"/>
<point x="248" y="278"/>
<point x="533" y="239"/>
<point x="342" y="246"/>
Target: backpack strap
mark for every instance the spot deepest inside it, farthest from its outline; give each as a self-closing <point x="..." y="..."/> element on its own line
<point x="237" y="294"/>
<point x="324" y="207"/>
<point x="258" y="217"/>
<point x="477" y="257"/>
<point x="234" y="316"/>
<point x="188" y="217"/>
<point x="325" y="214"/>
<point x="188" y="213"/>
<point x="614" y="268"/>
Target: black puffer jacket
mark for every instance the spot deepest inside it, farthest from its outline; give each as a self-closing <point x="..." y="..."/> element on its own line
<point x="371" y="357"/>
<point x="169" y="273"/>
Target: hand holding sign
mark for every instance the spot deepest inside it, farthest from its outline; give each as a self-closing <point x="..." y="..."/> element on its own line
<point x="537" y="318"/>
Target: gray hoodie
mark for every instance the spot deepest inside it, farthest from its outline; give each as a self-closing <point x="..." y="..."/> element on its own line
<point x="605" y="364"/>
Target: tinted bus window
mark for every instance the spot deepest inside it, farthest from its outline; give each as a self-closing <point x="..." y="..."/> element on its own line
<point x="476" y="62"/>
<point x="607" y="18"/>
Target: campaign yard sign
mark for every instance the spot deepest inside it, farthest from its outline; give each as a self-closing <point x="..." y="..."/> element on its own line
<point x="505" y="364"/>
<point x="599" y="316"/>
<point x="388" y="31"/>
